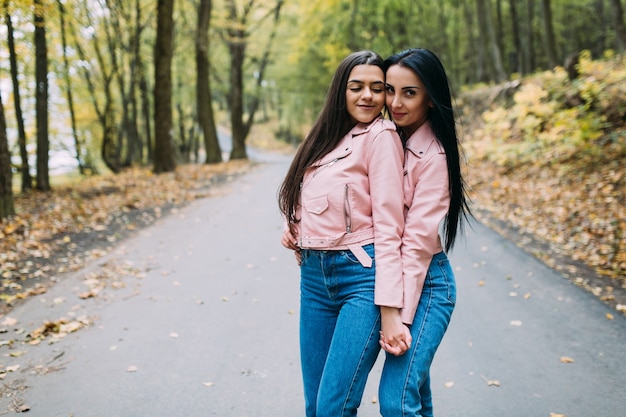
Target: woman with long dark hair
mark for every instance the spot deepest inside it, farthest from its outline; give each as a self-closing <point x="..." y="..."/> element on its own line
<point x="342" y="202"/>
<point x="419" y="102"/>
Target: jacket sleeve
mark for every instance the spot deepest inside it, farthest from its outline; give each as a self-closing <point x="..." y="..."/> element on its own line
<point x="428" y="206"/>
<point x="385" y="172"/>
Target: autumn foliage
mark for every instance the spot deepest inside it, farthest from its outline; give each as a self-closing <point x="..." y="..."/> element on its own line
<point x="546" y="154"/>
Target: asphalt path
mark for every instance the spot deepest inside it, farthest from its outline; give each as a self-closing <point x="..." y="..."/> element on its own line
<point x="199" y="317"/>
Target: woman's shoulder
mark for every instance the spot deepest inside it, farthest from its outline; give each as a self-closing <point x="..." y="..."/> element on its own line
<point x="381" y="124"/>
<point x="375" y="127"/>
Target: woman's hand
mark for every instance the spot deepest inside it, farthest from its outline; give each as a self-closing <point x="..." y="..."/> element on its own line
<point x="289" y="241"/>
<point x="395" y="336"/>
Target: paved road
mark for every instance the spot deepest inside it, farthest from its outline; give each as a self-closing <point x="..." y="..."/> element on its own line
<point x="206" y="325"/>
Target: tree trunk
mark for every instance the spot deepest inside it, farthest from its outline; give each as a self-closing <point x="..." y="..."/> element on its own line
<point x="620" y="29"/>
<point x="6" y="180"/>
<point x="41" y="98"/>
<point x="237" y="49"/>
<point x="500" y="37"/>
<point x="518" y="54"/>
<point x="481" y="72"/>
<point x="485" y="26"/>
<point x="115" y="43"/>
<point x="27" y="180"/>
<point x="530" y="57"/>
<point x="144" y="92"/>
<point x="548" y="33"/>
<point x="206" y="117"/>
<point x="135" y="143"/>
<point x="164" y="143"/>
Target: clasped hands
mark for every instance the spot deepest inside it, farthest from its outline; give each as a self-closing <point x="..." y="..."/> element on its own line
<point x="395" y="336"/>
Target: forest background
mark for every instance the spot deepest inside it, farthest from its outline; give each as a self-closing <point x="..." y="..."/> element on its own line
<point x="110" y="112"/>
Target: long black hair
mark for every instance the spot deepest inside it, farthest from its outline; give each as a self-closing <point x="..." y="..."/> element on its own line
<point x="427" y="66"/>
<point x="332" y="124"/>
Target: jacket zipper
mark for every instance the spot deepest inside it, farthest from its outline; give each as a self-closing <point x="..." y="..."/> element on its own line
<point x="347" y="214"/>
<point x="326" y="165"/>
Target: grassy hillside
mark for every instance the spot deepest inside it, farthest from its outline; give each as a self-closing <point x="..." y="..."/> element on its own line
<point x="546" y="159"/>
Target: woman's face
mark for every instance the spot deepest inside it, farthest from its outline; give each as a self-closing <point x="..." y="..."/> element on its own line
<point x="365" y="93"/>
<point x="407" y="98"/>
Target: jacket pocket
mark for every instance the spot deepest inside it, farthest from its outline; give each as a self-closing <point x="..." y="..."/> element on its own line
<point x="317" y="205"/>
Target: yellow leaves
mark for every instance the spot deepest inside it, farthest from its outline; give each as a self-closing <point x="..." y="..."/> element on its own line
<point x="566" y="359"/>
<point x="58" y="329"/>
<point x="559" y="178"/>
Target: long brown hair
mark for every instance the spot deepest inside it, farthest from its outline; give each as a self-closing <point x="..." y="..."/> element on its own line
<point x="332" y="124"/>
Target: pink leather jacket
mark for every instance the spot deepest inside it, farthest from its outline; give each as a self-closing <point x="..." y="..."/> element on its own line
<point x="353" y="197"/>
<point x="426" y="201"/>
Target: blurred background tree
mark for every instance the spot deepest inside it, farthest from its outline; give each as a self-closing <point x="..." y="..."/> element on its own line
<point x="83" y="81"/>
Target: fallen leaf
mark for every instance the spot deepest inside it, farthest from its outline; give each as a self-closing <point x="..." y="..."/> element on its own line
<point x="9" y="321"/>
<point x="132" y="368"/>
<point x="490" y="382"/>
<point x="565" y="359"/>
<point x="516" y="323"/>
<point x="449" y="384"/>
<point x="208" y="384"/>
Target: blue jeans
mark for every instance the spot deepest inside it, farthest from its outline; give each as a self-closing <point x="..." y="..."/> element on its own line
<point x="339" y="330"/>
<point x="405" y="381"/>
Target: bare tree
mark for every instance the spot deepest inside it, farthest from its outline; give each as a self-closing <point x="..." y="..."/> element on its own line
<point x="27" y="180"/>
<point x="41" y="98"/>
<point x="237" y="40"/>
<point x="105" y="111"/>
<point x="164" y="160"/>
<point x="206" y="117"/>
<point x="82" y="153"/>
